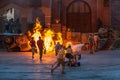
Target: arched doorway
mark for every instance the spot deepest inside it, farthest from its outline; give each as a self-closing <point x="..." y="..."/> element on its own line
<point x="79" y="16"/>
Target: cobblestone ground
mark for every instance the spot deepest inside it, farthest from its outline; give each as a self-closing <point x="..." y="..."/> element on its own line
<point x="102" y="65"/>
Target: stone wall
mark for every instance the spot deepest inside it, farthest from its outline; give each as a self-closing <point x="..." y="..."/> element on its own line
<point x="103" y="11"/>
<point x="115" y="14"/>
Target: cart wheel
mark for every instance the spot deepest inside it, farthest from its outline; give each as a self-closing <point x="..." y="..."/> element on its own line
<point x="8" y="40"/>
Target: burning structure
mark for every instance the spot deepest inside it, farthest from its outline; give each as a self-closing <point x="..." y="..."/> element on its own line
<point x="48" y="35"/>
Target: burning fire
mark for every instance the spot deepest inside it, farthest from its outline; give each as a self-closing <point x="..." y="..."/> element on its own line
<point x="36" y="30"/>
<point x="48" y="35"/>
<point x="48" y="40"/>
<point x="59" y="38"/>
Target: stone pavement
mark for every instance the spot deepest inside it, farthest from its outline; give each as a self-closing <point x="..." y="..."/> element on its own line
<point x="102" y="65"/>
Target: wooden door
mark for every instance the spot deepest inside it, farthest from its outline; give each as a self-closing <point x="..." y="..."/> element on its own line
<point x="79" y="17"/>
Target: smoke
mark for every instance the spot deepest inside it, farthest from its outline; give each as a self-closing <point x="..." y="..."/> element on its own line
<point x="77" y="48"/>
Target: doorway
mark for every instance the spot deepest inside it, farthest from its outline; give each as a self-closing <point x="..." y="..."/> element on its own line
<point x="79" y="16"/>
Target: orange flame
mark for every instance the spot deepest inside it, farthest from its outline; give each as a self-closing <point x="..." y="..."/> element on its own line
<point x="49" y="43"/>
<point x="37" y="29"/>
<point x="59" y="38"/>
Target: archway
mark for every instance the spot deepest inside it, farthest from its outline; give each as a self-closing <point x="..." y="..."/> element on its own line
<point x="79" y="16"/>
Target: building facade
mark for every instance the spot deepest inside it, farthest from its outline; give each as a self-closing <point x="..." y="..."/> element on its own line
<point x="78" y="15"/>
